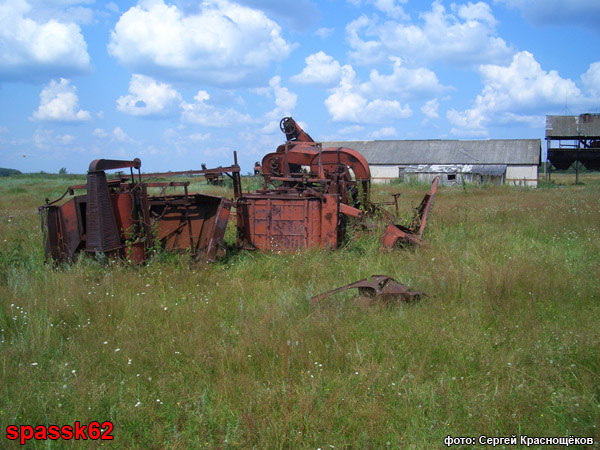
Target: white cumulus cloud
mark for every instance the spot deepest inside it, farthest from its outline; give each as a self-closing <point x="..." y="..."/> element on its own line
<point x="521" y="92"/>
<point x="320" y="69"/>
<point x="35" y="49"/>
<point x="285" y="103"/>
<point x="59" y="103"/>
<point x="148" y="97"/>
<point x="591" y="81"/>
<point x="405" y="82"/>
<point x="119" y="135"/>
<point x="347" y="103"/>
<point x="430" y="108"/>
<point x="203" y="113"/>
<point x="384" y="133"/>
<point x="465" y="36"/>
<point x="221" y="44"/>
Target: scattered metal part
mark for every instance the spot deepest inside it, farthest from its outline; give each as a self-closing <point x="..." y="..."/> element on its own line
<point x="396" y="234"/>
<point x="378" y="288"/>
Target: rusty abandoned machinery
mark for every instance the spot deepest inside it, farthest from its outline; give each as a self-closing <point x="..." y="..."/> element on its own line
<point x="307" y="197"/>
<point x="121" y="217"/>
<point x="308" y="192"/>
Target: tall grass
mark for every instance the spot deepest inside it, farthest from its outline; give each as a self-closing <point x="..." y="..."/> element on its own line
<point x="180" y="354"/>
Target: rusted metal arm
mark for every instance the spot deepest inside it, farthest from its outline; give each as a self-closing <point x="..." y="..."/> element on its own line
<point x="217" y="170"/>
<point x="100" y="165"/>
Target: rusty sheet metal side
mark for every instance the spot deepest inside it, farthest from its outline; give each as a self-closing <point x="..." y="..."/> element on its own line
<point x="288" y="222"/>
<point x="64" y="234"/>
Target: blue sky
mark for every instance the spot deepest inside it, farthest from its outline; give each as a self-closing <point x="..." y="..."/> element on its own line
<point x="179" y="83"/>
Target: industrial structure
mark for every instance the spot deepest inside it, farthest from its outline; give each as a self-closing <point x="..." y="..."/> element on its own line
<point x="498" y="161"/>
<point x="573" y="141"/>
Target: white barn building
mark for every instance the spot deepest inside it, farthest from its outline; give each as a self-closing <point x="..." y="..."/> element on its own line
<point x="498" y="161"/>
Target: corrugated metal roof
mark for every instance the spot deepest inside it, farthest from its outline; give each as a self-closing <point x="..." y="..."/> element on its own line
<point x="493" y="151"/>
<point x="584" y="125"/>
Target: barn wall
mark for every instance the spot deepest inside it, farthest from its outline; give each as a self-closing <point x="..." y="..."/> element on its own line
<point x="450" y="174"/>
<point x="516" y="175"/>
<point x="381" y="173"/>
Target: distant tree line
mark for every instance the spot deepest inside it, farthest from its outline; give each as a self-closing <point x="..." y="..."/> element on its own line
<point x="8" y="172"/>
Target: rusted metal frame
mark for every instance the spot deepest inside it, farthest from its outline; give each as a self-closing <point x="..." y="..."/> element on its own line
<point x="219" y="229"/>
<point x="411" y="235"/>
<point x="426" y="207"/>
<point x="306" y="224"/>
<point x="49" y="203"/>
<point x="269" y="221"/>
<point x="162" y="184"/>
<point x="296" y="179"/>
<point x="320" y="172"/>
<point x="188" y="219"/>
<point x="81" y="187"/>
<point x="146" y="216"/>
<point x="372" y="208"/>
<point x="396" y="195"/>
<point x="233" y="169"/>
<point x="235" y="176"/>
<point x="286" y="163"/>
<point x="350" y="211"/>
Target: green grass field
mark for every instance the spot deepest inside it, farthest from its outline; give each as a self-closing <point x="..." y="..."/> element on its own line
<point x="182" y="355"/>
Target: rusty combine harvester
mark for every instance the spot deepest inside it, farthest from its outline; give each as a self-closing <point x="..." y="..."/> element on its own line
<point x="308" y="193"/>
<point x="120" y="217"/>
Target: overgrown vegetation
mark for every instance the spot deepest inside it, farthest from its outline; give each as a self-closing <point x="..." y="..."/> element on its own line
<point x="180" y="354"/>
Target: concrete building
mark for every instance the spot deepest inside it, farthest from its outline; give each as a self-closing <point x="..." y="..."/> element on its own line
<point x="498" y="161"/>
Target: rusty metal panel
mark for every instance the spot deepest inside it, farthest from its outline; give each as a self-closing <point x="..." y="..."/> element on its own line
<point x="52" y="235"/>
<point x="72" y="233"/>
<point x="329" y="221"/>
<point x="63" y="228"/>
<point x="289" y="222"/>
